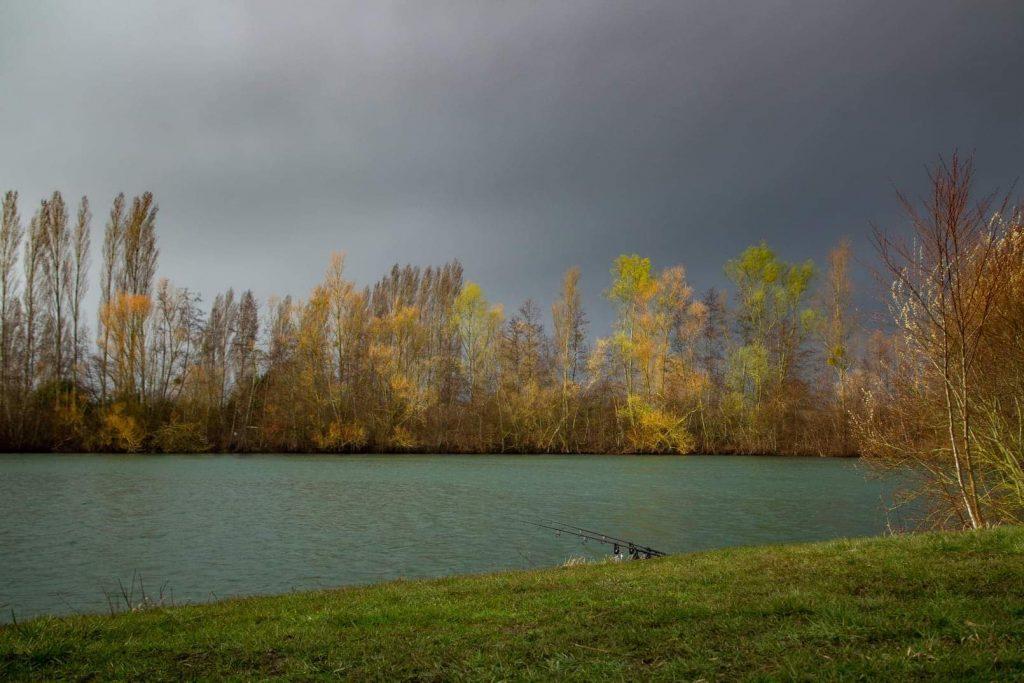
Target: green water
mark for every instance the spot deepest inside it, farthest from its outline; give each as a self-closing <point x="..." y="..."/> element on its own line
<point x="207" y="527"/>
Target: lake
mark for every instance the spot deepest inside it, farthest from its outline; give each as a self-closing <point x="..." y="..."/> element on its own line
<point x="213" y="526"/>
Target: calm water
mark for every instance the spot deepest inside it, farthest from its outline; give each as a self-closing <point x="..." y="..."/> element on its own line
<point x="214" y="526"/>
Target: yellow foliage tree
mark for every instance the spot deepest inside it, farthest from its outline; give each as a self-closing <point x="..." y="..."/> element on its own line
<point x="124" y="320"/>
<point x="123" y="431"/>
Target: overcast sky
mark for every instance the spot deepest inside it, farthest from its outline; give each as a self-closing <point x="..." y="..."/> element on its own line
<point x="520" y="137"/>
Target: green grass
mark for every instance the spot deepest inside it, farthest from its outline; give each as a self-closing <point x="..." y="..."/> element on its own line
<point x="938" y="606"/>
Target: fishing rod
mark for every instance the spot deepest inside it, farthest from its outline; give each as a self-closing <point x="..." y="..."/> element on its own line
<point x="634" y="550"/>
<point x="597" y="535"/>
<point x="651" y="552"/>
<point x="611" y="538"/>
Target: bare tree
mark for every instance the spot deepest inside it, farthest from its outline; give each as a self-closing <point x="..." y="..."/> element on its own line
<point x="216" y="344"/>
<point x="713" y="338"/>
<point x="175" y="334"/>
<point x="942" y="304"/>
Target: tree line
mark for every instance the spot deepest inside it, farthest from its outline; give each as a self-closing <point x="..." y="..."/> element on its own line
<point x="420" y="360"/>
<point x="423" y="361"/>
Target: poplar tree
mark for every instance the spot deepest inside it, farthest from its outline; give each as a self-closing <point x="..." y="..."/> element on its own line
<point x="32" y="304"/>
<point x="110" y="276"/>
<point x="10" y="244"/>
<point x="57" y="273"/>
<point x="79" y="286"/>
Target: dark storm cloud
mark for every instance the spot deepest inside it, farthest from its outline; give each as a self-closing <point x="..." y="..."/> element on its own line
<point x="520" y="137"/>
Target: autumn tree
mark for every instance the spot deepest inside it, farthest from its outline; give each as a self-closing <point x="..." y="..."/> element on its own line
<point x="139" y="253"/>
<point x="650" y="347"/>
<point x="631" y="290"/>
<point x="999" y="372"/>
<point x="477" y="323"/>
<point x="443" y="285"/>
<point x="278" y="424"/>
<point x="837" y="333"/>
<point x="773" y="322"/>
<point x="313" y="368"/>
<point x="339" y="293"/>
<point x="124" y="320"/>
<point x="130" y="256"/>
<point x="524" y="396"/>
<point x="570" y="352"/>
<point x="399" y="358"/>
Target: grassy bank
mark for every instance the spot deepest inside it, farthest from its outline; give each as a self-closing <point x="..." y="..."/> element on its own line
<point x="932" y="605"/>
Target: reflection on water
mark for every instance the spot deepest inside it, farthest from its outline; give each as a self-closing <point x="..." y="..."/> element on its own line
<point x="71" y="526"/>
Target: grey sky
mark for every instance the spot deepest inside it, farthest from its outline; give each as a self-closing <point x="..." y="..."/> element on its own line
<point x="519" y="137"/>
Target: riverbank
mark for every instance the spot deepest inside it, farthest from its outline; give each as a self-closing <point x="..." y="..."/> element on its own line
<point x="932" y="605"/>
